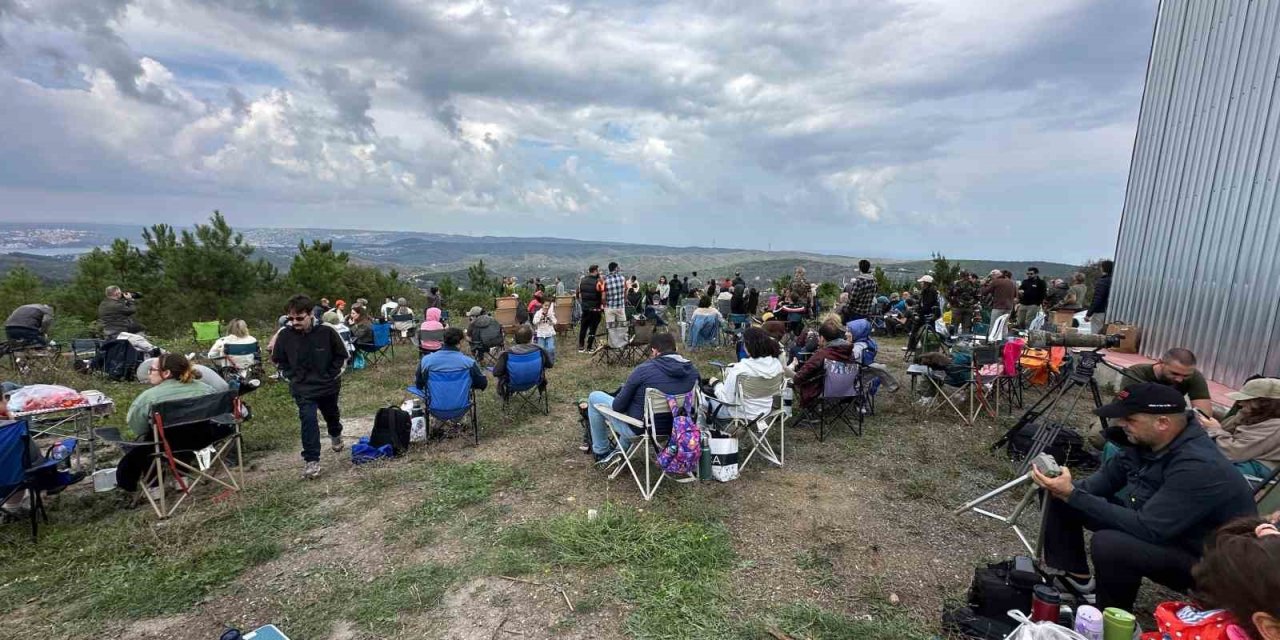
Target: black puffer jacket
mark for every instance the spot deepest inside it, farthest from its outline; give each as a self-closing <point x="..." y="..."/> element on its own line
<point x="589" y="293"/>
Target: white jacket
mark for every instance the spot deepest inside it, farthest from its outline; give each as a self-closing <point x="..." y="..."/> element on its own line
<point x="727" y="391"/>
<point x="219" y="349"/>
<point x="544" y="320"/>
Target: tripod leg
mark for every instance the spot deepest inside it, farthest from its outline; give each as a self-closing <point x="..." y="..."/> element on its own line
<point x="993" y="493"/>
<point x="1097" y="401"/>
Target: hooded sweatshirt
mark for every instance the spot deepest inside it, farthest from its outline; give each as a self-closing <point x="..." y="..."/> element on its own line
<point x="864" y="348"/>
<point x="727" y="391"/>
<point x="809" y="379"/>
<point x="484" y="330"/>
<point x="431" y="323"/>
<point x="671" y="374"/>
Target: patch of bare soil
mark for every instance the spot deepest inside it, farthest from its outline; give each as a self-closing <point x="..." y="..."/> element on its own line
<point x="493" y="607"/>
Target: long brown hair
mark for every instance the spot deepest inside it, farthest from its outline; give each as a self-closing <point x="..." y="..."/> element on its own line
<point x="1257" y="410"/>
<point x="178" y="366"/>
<point x="1240" y="572"/>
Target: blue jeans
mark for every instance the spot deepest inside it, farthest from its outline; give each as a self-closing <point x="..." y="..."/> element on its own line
<point x="600" y="444"/>
<point x="548" y="344"/>
<point x="307" y="407"/>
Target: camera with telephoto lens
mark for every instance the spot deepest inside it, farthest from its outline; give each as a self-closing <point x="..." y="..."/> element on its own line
<point x="133" y="295"/>
<point x="1042" y="339"/>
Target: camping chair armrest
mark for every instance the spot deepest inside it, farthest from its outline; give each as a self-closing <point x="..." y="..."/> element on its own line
<point x="49" y="464"/>
<point x="621" y="417"/>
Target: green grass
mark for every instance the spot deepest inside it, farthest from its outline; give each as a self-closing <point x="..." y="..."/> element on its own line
<point x="449" y="488"/>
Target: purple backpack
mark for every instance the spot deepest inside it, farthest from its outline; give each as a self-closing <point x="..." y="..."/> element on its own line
<point x="684" y="447"/>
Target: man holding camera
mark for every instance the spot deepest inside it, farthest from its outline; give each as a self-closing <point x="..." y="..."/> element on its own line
<point x="115" y="313"/>
<point x="1150" y="507"/>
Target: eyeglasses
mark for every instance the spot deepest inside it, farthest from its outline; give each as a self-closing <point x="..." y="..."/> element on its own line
<point x="298" y="318"/>
<point x="155" y="370"/>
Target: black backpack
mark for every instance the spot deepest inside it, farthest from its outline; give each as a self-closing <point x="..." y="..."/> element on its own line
<point x="1068" y="448"/>
<point x="996" y="589"/>
<point x="119" y="360"/>
<point x="391" y="425"/>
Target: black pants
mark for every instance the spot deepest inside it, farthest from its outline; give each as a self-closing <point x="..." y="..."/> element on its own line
<point x="587" y="331"/>
<point x="307" y="407"/>
<point x="25" y="334"/>
<point x="1121" y="560"/>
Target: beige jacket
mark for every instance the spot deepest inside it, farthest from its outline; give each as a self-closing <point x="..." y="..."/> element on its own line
<point x="1240" y="443"/>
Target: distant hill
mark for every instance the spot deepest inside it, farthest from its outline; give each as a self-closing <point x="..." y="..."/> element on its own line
<point x="47" y="268"/>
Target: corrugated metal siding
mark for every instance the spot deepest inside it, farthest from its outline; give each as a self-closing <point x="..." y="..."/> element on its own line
<point x="1198" y="257"/>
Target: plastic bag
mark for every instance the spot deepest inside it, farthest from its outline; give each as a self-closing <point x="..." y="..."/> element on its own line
<point x="1029" y="630"/>
<point x="38" y="397"/>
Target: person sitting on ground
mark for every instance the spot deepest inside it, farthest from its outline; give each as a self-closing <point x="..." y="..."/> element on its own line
<point x="763" y="361"/>
<point x="523" y="344"/>
<point x="172" y="378"/>
<point x="667" y="371"/>
<point x="1251" y="438"/>
<point x="484" y="333"/>
<point x="361" y="326"/>
<point x="449" y="358"/>
<point x="333" y="318"/>
<point x="237" y="334"/>
<point x="1240" y="572"/>
<point x="832" y="345"/>
<point x="1150" y="507"/>
<point x="116" y="314"/>
<point x="402" y="318"/>
<point x="431" y="322"/>
<point x="30" y="323"/>
<point x="1177" y="369"/>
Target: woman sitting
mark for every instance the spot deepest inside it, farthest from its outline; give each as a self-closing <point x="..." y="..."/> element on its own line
<point x="705" y="309"/>
<point x="429" y="334"/>
<point x="334" y="320"/>
<point x="243" y="351"/>
<point x="402" y="319"/>
<point x="1251" y="438"/>
<point x="762" y="361"/>
<point x="361" y="325"/>
<point x="172" y="378"/>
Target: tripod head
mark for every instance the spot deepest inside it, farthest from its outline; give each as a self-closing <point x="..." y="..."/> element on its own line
<point x="1086" y="363"/>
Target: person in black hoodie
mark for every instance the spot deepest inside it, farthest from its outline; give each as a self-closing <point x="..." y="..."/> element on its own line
<point x="311" y="357"/>
<point x="1151" y="507"/>
<point x="666" y="371"/>
<point x="591" y="297"/>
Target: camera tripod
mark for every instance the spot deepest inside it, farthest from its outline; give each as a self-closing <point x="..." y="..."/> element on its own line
<point x="1079" y="379"/>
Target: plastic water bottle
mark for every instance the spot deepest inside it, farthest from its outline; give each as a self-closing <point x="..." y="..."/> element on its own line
<point x="61" y="450"/>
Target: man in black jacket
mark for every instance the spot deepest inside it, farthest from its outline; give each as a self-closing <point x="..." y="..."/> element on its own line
<point x="591" y="297"/>
<point x="1150" y="507"/>
<point x="1097" y="314"/>
<point x="311" y="357"/>
<point x="1031" y="293"/>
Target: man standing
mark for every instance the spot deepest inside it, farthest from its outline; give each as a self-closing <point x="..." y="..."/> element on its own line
<point x="591" y="298"/>
<point x="615" y="298"/>
<point x="1002" y="292"/>
<point x="30" y="323"/>
<point x="927" y="313"/>
<point x="115" y="313"/>
<point x="311" y="357"/>
<point x="1150" y="507"/>
<point x="559" y="287"/>
<point x="963" y="298"/>
<point x="1177" y="369"/>
<point x="693" y="285"/>
<point x="1096" y="316"/>
<point x="862" y="293"/>
<point x="1031" y="296"/>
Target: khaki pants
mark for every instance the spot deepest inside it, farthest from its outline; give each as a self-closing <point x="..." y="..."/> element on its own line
<point x="614" y="315"/>
<point x="1027" y="313"/>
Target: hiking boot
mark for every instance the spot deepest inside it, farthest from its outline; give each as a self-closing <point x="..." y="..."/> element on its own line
<point x="335" y="443"/>
<point x="311" y="470"/>
<point x="1083" y="592"/>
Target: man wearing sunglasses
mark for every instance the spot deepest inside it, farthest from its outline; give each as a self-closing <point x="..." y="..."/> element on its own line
<point x="311" y="357"/>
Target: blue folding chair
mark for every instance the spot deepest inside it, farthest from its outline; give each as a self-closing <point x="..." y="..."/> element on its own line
<point x="380" y="348"/>
<point x="21" y="468"/>
<point x="526" y="382"/>
<point x="449" y="397"/>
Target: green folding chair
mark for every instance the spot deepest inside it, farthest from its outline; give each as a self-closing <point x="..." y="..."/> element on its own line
<point x="207" y="331"/>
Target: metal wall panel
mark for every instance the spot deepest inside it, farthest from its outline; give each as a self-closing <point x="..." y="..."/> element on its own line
<point x="1198" y="256"/>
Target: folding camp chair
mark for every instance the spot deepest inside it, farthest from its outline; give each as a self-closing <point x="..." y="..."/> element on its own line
<point x="647" y="442"/>
<point x="404" y="328"/>
<point x="193" y="440"/>
<point x="614" y="350"/>
<point x="380" y="348"/>
<point x="24" y="469"/>
<point x="225" y="366"/>
<point x="758" y="427"/>
<point x="436" y="338"/>
<point x="724" y="307"/>
<point x="844" y="400"/>
<point x="999" y="328"/>
<point x="1266" y="495"/>
<point x="526" y="382"/>
<point x="637" y="347"/>
<point x="208" y="331"/>
<point x="449" y="397"/>
<point x="704" y="331"/>
<point x="952" y="386"/>
<point x="83" y="352"/>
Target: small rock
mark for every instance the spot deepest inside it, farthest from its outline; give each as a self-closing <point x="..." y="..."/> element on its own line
<point x="893" y="598"/>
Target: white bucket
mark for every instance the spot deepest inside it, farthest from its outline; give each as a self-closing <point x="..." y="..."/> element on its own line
<point x="104" y="480"/>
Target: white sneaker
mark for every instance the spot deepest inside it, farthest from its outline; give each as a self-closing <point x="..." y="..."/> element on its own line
<point x="311" y="470"/>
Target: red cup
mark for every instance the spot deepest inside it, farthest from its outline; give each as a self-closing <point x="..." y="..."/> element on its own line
<point x="1046" y="604"/>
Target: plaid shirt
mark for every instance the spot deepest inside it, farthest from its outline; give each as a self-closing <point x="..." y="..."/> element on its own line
<point x="862" y="292"/>
<point x="615" y="291"/>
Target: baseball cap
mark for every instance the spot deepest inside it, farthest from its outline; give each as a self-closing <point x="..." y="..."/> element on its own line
<point x="1258" y="388"/>
<point x="926" y="279"/>
<point x="1148" y="397"/>
<point x="475" y="311"/>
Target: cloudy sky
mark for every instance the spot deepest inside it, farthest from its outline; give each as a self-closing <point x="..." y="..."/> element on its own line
<point x="976" y="128"/>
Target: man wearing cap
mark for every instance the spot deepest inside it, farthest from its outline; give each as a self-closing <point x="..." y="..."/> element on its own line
<point x="1000" y="294"/>
<point x="1149" y="507"/>
<point x="929" y="310"/>
<point x="1251" y="438"/>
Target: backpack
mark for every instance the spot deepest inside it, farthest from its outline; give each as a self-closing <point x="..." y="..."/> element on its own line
<point x="118" y="359"/>
<point x="1068" y="448"/>
<point x="391" y="425"/>
<point x="684" y="447"/>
